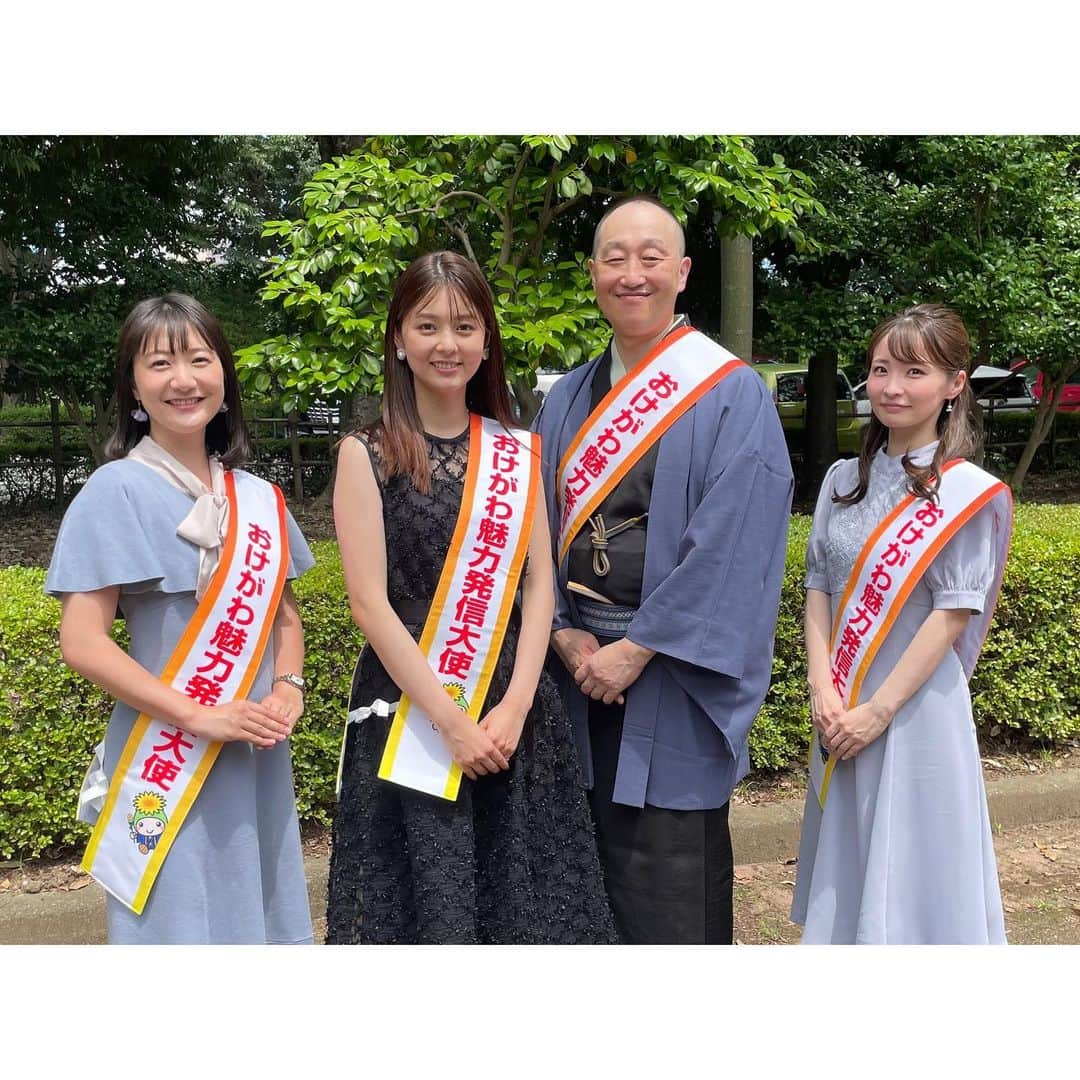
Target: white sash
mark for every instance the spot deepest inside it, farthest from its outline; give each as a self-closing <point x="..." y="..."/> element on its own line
<point x="469" y="614"/>
<point x="661" y="387"/>
<point x="162" y="768"/>
<point x="888" y="568"/>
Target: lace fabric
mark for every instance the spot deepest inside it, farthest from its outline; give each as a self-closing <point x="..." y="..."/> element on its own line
<point x="514" y="859"/>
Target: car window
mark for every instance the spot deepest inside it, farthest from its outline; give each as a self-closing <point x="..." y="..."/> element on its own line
<point x="791" y="387"/>
<point x="1013" y="387"/>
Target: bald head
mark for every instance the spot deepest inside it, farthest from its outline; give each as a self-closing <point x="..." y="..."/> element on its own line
<point x="642" y="208"/>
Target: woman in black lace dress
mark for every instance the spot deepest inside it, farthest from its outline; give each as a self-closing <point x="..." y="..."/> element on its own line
<point x="513" y="858"/>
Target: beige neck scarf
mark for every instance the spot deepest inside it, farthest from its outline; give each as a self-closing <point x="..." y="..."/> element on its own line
<point x="208" y="520"/>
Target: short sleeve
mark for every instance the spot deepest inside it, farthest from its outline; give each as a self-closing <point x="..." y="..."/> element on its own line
<point x="817" y="573"/>
<point x="301" y="559"/>
<point x="963" y="572"/>
<point x="104" y="538"/>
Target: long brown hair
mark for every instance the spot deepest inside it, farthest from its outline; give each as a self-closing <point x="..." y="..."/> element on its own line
<point x="400" y="429"/>
<point x="924" y="333"/>
<point x="175" y="315"/>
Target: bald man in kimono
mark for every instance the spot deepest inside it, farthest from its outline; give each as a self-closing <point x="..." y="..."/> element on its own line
<point x="667" y="595"/>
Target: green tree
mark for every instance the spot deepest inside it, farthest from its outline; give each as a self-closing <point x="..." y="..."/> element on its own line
<point x="520" y="207"/>
<point x="90" y="225"/>
<point x="983" y="223"/>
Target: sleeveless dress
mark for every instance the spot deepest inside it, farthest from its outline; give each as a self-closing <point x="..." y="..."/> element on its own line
<point x="235" y="874"/>
<point x="903" y="852"/>
<point x="513" y="860"/>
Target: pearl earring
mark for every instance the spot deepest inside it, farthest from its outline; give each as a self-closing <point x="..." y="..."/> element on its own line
<point x="484" y="355"/>
<point x="139" y="413"/>
<point x="401" y="354"/>
<point x="948" y="407"/>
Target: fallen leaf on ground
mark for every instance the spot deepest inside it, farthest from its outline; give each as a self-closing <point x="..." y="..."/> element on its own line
<point x="1045" y="851"/>
<point x="79" y="883"/>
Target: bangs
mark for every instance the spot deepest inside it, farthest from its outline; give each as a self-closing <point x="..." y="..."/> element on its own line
<point x="456" y="299"/>
<point x="907" y="344"/>
<point x="172" y="325"/>
<point x="914" y="339"/>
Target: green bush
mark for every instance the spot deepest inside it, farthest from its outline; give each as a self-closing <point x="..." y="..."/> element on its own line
<point x="1028" y="679"/>
<point x="1014" y="428"/>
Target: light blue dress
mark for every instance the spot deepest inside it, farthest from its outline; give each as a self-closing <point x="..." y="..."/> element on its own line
<point x="903" y="852"/>
<point x="235" y="873"/>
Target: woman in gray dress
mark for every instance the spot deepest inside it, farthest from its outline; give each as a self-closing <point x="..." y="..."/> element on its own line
<point x="901" y="851"/>
<point x="143" y="539"/>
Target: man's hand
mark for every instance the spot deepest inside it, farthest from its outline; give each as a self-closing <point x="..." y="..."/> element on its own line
<point x="574" y="646"/>
<point x="607" y="672"/>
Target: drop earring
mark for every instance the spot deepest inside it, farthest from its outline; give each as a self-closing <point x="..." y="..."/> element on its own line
<point x="948" y="407"/>
<point x="139" y="414"/>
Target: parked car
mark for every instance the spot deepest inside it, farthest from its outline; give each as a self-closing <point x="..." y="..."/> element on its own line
<point x="787" y="384"/>
<point x="995" y="389"/>
<point x="545" y="380"/>
<point x="1070" y="394"/>
<point x="322" y="418"/>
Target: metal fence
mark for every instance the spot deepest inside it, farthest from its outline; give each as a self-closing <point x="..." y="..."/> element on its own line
<point x="295" y="453"/>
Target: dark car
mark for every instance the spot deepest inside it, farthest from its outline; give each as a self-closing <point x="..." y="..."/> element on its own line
<point x="320" y="418"/>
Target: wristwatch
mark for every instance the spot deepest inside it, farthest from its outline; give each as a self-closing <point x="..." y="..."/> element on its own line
<point x="293" y="680"/>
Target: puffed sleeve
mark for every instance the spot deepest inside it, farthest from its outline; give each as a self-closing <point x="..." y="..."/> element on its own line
<point x="963" y="572"/>
<point x="817" y="573"/>
<point x="105" y="539"/>
<point x="301" y="559"/>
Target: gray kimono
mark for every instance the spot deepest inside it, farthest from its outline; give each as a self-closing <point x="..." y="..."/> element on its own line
<point x="714" y="561"/>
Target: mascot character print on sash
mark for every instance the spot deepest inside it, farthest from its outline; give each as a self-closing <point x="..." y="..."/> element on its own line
<point x="148" y="821"/>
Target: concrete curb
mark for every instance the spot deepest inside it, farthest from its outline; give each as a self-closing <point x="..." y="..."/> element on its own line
<point x="770" y="831"/>
<point x="760" y="833"/>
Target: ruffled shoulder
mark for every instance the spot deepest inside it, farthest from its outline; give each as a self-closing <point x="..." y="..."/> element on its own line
<point x="840" y="478"/>
<point x="121" y="530"/>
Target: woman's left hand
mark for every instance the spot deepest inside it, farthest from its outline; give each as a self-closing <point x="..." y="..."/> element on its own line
<point x="856" y="729"/>
<point x="287" y="702"/>
<point x="504" y="724"/>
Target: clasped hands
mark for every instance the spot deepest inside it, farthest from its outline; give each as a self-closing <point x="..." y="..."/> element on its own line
<point x="845" y="732"/>
<point x="602" y="672"/>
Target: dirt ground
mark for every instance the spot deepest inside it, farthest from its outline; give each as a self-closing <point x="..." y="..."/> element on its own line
<point x="1038" y="866"/>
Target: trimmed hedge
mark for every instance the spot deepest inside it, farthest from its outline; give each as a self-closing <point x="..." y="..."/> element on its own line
<point x="1028" y="679"/>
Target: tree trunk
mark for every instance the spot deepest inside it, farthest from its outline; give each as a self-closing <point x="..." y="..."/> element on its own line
<point x="1044" y="418"/>
<point x="297" y="464"/>
<point x="528" y="405"/>
<point x="86" y="428"/>
<point x="821" y="405"/>
<point x="58" y="453"/>
<point x="737" y="295"/>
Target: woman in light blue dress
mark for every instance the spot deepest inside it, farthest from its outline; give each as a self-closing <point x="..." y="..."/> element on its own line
<point x="902" y="852"/>
<point x="234" y="873"/>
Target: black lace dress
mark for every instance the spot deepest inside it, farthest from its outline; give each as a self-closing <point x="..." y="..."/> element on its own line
<point x="513" y="860"/>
